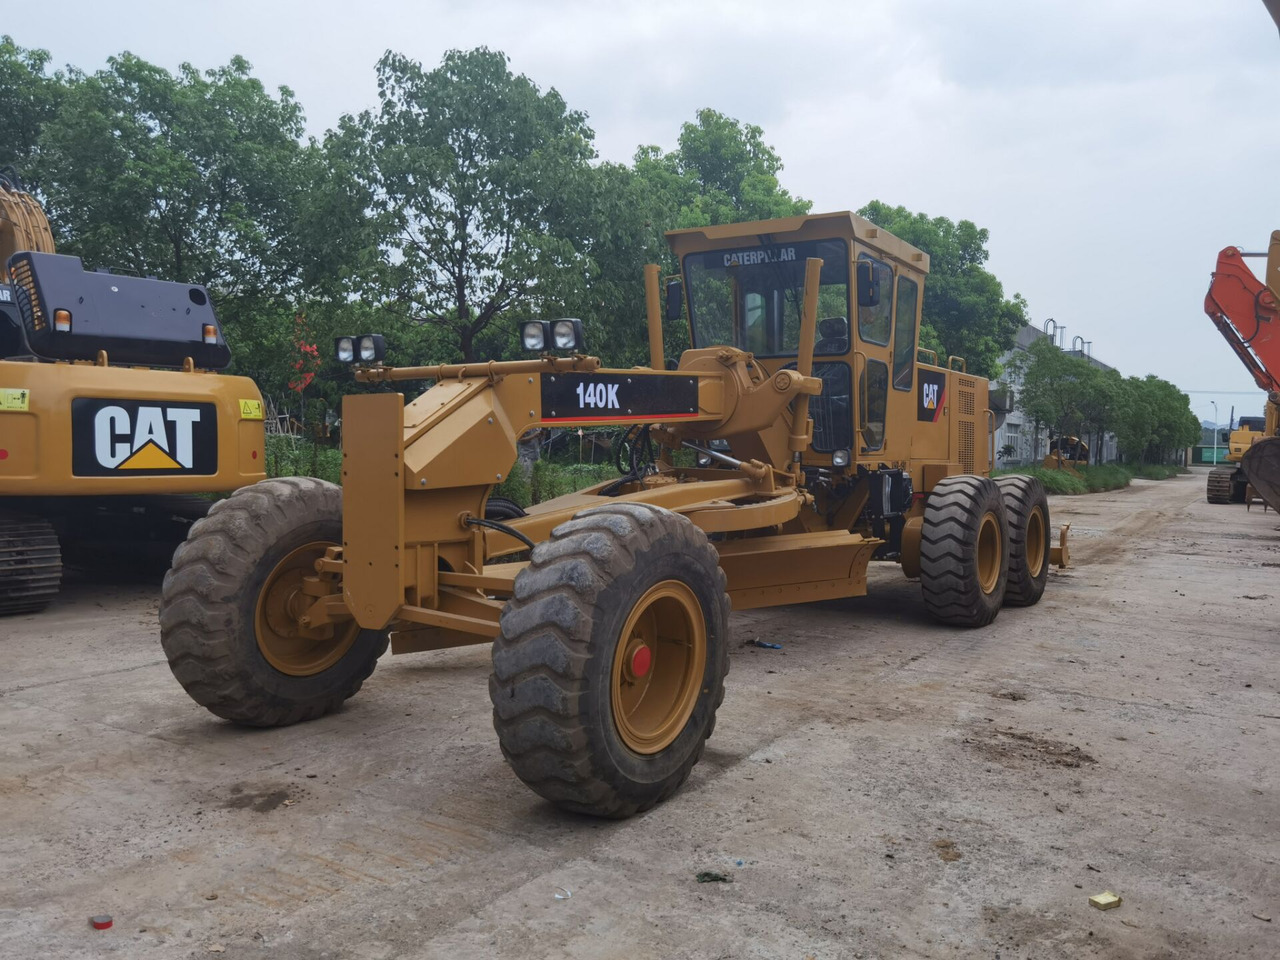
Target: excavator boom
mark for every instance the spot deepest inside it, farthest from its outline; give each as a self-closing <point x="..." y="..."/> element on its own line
<point x="1246" y="312"/>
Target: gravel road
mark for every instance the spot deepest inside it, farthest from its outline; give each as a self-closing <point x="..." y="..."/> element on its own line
<point x="879" y="787"/>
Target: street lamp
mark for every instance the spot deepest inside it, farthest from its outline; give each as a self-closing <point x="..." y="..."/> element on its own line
<point x="1215" y="433"/>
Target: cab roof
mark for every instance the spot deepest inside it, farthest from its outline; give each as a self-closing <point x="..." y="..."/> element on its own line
<point x="844" y="225"/>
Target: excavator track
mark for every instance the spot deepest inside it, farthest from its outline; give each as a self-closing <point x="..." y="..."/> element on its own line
<point x="30" y="563"/>
<point x="1221" y="484"/>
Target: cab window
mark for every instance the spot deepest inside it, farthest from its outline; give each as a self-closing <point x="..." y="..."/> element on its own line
<point x="752" y="297"/>
<point x="873" y="322"/>
<point x="904" y="333"/>
<point x="874" y="389"/>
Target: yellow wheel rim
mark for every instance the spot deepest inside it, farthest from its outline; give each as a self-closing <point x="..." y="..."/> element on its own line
<point x="989" y="550"/>
<point x="280" y="603"/>
<point x="658" y="667"/>
<point x="1035" y="542"/>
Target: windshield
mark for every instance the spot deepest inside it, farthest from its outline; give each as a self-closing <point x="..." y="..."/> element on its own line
<point x="751" y="298"/>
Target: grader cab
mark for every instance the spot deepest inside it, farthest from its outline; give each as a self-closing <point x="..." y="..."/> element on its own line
<point x="821" y="443"/>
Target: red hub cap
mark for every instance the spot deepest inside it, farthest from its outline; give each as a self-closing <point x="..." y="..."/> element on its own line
<point x="641" y="661"/>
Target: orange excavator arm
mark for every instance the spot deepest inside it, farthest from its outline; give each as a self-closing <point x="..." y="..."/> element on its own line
<point x="1246" y="311"/>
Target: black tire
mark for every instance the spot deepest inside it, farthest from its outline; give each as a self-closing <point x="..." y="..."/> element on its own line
<point x="1027" y="509"/>
<point x="956" y="577"/>
<point x="209" y="600"/>
<point x="30" y="563"/>
<point x="552" y="665"/>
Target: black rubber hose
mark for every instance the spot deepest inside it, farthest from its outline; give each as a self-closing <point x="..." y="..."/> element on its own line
<point x="501" y="528"/>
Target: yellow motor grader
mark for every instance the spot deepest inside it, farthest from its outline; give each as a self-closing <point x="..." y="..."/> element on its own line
<point x="816" y="442"/>
<point x="111" y="416"/>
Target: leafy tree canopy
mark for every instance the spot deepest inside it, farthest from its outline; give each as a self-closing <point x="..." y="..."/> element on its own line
<point x="484" y="177"/>
<point x="29" y="97"/>
<point x="965" y="310"/>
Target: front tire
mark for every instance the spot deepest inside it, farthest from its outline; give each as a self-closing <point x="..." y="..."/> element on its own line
<point x="964" y="551"/>
<point x="229" y="605"/>
<point x="611" y="662"/>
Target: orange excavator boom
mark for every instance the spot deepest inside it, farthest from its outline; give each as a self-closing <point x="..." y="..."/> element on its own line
<point x="1246" y="311"/>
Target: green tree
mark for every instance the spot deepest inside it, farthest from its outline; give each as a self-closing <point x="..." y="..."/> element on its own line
<point x="721" y="171"/>
<point x="192" y="176"/>
<point x="29" y="98"/>
<point x="203" y="177"/>
<point x="483" y="176"/>
<point x="965" y="310"/>
<point x="1050" y="386"/>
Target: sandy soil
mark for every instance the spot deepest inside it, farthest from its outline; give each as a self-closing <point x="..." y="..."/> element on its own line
<point x="879" y="787"/>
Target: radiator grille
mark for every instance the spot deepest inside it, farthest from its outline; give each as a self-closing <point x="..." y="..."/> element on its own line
<point x="966" y="402"/>
<point x="966" y="445"/>
<point x="28" y="302"/>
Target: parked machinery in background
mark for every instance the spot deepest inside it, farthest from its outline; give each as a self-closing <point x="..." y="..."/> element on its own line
<point x="111" y="414"/>
<point x="1246" y="312"/>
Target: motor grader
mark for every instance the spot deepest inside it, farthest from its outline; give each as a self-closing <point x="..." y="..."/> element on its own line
<point x="1246" y="311"/>
<point x="797" y="440"/>
<point x="1067" y="453"/>
<point x="111" y="415"/>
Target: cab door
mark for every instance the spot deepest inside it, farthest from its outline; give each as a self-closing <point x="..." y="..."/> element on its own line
<point x="885" y="363"/>
<point x="873" y="358"/>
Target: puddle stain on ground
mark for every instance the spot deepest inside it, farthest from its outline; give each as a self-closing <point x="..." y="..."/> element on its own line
<point x="1012" y="748"/>
<point x="261" y="799"/>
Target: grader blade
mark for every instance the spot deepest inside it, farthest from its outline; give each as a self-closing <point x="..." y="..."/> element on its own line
<point x="1261" y="465"/>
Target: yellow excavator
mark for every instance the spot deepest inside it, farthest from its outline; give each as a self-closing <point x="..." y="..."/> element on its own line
<point x="111" y="414"/>
<point x="1246" y="312"/>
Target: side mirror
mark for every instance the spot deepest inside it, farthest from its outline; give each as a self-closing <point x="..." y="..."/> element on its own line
<point x="868" y="285"/>
<point x="675" y="300"/>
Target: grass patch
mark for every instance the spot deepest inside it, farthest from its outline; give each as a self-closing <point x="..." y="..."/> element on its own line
<point x="1093" y="479"/>
<point x="1055" y="481"/>
<point x="1158" y="471"/>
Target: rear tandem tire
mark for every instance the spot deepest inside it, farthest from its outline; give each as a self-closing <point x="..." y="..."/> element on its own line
<point x="964" y="551"/>
<point x="224" y="609"/>
<point x="1027" y="509"/>
<point x="611" y="661"/>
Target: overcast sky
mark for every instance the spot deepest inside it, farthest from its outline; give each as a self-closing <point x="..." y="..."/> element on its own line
<point x="1111" y="148"/>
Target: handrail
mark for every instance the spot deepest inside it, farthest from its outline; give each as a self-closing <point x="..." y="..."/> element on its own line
<point x="932" y="353"/>
<point x="951" y="363"/>
<point x="991" y="440"/>
<point x="860" y="425"/>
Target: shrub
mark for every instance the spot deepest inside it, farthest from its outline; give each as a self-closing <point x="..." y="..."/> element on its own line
<point x="551" y="480"/>
<point x="1055" y="481"/>
<point x="288" y="456"/>
<point x="1107" y="476"/>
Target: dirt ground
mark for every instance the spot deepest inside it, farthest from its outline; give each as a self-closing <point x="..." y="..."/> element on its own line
<point x="879" y="787"/>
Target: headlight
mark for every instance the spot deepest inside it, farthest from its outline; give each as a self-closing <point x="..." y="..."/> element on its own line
<point x="366" y="348"/>
<point x="840" y="458"/>
<point x="533" y="335"/>
<point x="568" y="334"/>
